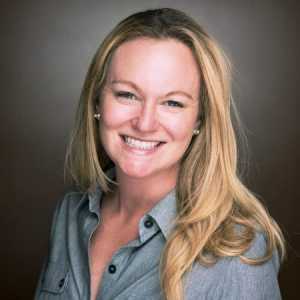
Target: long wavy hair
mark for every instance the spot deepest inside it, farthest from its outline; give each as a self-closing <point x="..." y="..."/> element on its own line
<point x="217" y="214"/>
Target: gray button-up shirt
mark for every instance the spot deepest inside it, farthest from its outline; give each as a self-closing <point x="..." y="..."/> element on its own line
<point x="133" y="272"/>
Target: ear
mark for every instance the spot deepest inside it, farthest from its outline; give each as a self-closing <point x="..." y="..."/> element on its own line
<point x="97" y="107"/>
<point x="198" y="123"/>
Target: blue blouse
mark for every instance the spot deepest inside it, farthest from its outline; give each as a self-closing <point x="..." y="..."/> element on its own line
<point x="133" y="272"/>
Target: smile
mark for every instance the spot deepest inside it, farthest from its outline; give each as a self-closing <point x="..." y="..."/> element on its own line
<point x="140" y="144"/>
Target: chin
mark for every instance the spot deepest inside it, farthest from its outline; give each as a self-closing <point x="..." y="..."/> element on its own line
<point x="136" y="172"/>
<point x="145" y="170"/>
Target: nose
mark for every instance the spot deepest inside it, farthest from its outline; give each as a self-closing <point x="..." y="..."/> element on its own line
<point x="146" y="119"/>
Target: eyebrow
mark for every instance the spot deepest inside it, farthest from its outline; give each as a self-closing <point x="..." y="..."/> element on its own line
<point x="180" y="93"/>
<point x="128" y="83"/>
<point x="183" y="93"/>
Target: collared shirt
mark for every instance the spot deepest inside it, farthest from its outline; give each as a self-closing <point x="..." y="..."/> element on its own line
<point x="133" y="271"/>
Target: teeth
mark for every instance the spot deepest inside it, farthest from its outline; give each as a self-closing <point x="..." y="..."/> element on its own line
<point x="140" y="144"/>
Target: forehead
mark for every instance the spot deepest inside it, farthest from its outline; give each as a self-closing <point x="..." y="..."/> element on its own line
<point x="166" y="62"/>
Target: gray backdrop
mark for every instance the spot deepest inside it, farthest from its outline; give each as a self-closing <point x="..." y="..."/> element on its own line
<point x="46" y="47"/>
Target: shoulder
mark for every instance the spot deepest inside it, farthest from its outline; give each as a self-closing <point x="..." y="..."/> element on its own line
<point x="70" y="200"/>
<point x="231" y="278"/>
<point x="66" y="208"/>
<point x="258" y="250"/>
<point x="251" y="281"/>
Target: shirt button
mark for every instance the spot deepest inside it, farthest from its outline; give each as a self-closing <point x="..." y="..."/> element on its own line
<point x="148" y="223"/>
<point x="61" y="283"/>
<point x="112" y="269"/>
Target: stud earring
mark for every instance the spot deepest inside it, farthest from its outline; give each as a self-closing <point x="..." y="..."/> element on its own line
<point x="196" y="131"/>
<point x="97" y="116"/>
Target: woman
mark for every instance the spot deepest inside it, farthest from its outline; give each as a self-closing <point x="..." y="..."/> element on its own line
<point x="157" y="210"/>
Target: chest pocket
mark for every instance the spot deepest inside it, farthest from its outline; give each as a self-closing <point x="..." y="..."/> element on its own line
<point x="56" y="278"/>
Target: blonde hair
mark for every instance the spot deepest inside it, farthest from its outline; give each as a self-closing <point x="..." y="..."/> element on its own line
<point x="217" y="215"/>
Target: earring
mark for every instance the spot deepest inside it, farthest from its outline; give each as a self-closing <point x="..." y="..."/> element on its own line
<point x="97" y="116"/>
<point x="196" y="131"/>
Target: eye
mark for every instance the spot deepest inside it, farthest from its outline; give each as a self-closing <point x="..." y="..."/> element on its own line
<point x="126" y="95"/>
<point x="174" y="103"/>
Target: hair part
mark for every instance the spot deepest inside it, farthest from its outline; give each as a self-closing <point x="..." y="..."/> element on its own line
<point x="217" y="214"/>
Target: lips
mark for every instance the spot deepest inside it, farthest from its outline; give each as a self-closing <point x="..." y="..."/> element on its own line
<point x="138" y="144"/>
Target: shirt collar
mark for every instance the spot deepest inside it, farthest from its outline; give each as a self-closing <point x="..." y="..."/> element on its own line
<point x="164" y="212"/>
<point x="94" y="198"/>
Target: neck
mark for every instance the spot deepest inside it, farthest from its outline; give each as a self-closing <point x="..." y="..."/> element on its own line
<point x="137" y="196"/>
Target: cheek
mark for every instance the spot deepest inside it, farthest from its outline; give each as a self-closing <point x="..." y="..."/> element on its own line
<point x="107" y="122"/>
<point x="111" y="114"/>
<point x="182" y="128"/>
<point x="181" y="139"/>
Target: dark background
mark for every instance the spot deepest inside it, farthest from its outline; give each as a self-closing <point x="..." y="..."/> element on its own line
<point x="46" y="47"/>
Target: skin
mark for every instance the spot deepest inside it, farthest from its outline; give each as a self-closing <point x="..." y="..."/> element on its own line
<point x="151" y="95"/>
<point x="159" y="86"/>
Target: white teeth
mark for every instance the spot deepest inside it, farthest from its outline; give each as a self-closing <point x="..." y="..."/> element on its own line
<point x="140" y="144"/>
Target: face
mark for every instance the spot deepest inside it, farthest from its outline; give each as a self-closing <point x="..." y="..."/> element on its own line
<point x="149" y="107"/>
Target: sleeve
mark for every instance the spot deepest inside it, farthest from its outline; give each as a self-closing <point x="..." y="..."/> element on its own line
<point x="53" y="227"/>
<point x="250" y="282"/>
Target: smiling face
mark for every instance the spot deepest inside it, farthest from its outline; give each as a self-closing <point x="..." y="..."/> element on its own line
<point x="149" y="107"/>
